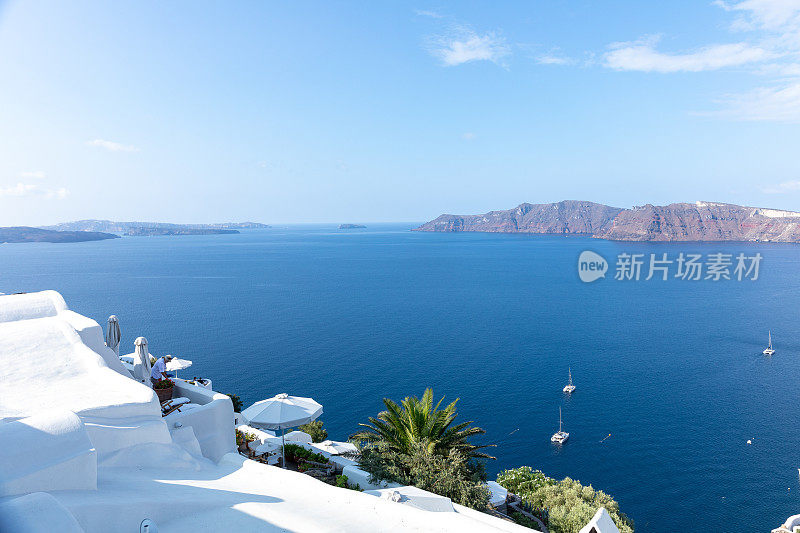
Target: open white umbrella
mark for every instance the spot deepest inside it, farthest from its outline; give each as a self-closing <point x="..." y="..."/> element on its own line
<point x="178" y="364"/>
<point x="141" y="361"/>
<point x="281" y="412"/>
<point x="336" y="448"/>
<point x="113" y="334"/>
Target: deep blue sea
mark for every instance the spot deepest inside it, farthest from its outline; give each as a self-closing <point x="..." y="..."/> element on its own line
<point x="672" y="369"/>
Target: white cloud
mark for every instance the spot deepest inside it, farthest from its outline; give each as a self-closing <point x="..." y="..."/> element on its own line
<point x="764" y="14"/>
<point x="21" y="190"/>
<point x="642" y="56"/>
<point x="776" y="104"/>
<point x="468" y="136"/>
<point x="550" y="59"/>
<point x="786" y="186"/>
<point x="112" y="146"/>
<point x="35" y="174"/>
<point x="426" y="13"/>
<point x="464" y="45"/>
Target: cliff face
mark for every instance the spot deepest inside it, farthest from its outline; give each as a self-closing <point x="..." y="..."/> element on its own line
<point x="701" y="221"/>
<point x="562" y="217"/>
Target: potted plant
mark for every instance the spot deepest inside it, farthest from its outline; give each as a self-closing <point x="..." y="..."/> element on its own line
<point x="243" y="439"/>
<point x="163" y="388"/>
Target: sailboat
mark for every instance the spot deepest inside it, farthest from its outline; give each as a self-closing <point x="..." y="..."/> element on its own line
<point x="570" y="388"/>
<point x="560" y="436"/>
<point x="768" y="350"/>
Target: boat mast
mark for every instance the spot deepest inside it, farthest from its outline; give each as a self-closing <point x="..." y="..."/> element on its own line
<point x="559" y="419"/>
<point x="770" y="339"/>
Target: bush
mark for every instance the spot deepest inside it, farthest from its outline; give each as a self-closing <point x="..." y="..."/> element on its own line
<point x="297" y="453"/>
<point x="569" y="504"/>
<point x="523" y="520"/>
<point x="454" y="476"/>
<point x="237" y="403"/>
<point x="523" y="480"/>
<point x="341" y="482"/>
<point x="318" y="434"/>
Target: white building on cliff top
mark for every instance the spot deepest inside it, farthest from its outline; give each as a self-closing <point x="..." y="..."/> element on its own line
<point x="84" y="448"/>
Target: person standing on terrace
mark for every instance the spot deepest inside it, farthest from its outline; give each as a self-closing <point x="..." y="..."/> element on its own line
<point x="159" y="370"/>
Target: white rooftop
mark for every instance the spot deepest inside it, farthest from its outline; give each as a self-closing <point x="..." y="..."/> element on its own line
<point x="92" y="453"/>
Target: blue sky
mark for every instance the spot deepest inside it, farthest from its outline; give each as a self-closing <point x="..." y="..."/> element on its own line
<point x="392" y="111"/>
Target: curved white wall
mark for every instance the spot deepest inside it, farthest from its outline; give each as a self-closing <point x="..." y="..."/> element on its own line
<point x="46" y="452"/>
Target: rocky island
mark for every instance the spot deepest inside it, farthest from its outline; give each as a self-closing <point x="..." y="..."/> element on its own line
<point x="148" y="229"/>
<point x="351" y="226"/>
<point x="28" y="234"/>
<point x="699" y="221"/>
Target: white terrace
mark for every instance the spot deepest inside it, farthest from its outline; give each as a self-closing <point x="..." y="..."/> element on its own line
<point x="84" y="448"/>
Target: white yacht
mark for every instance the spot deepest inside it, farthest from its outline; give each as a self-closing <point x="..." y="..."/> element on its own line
<point x="768" y="350"/>
<point x="560" y="436"/>
<point x="570" y="388"/>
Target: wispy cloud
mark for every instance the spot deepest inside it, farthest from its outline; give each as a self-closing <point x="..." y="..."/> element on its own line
<point x="112" y="146"/>
<point x="642" y="56"/>
<point x="780" y="103"/>
<point x="21" y="190"/>
<point x="464" y="45"/>
<point x="554" y="59"/>
<point x="35" y="174"/>
<point x="427" y="13"/>
<point x="781" y="188"/>
<point x="763" y="14"/>
<point x="768" y="46"/>
<point x="468" y="136"/>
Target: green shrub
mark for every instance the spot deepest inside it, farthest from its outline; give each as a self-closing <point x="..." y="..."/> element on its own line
<point x="454" y="476"/>
<point x="523" y="480"/>
<point x="237" y="403"/>
<point x="570" y="505"/>
<point x="318" y="434"/>
<point x="297" y="453"/>
<point x="523" y="520"/>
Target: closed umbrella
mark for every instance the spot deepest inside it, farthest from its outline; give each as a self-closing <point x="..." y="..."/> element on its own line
<point x="113" y="334"/>
<point x="141" y="361"/>
<point x="281" y="412"/>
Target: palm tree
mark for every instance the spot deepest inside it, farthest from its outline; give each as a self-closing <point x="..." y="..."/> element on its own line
<point x="418" y="422"/>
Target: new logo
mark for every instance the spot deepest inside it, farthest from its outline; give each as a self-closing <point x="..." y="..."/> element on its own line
<point x="591" y="266"/>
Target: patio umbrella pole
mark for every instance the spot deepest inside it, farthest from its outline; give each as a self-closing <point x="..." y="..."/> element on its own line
<point x="283" y="447"/>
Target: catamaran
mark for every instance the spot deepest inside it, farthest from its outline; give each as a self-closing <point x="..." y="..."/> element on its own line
<point x="560" y="436"/>
<point x="570" y="388"/>
<point x="768" y="350"/>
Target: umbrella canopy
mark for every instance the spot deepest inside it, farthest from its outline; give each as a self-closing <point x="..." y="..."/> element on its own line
<point x="336" y="448"/>
<point x="113" y="334"/>
<point x="178" y="364"/>
<point x="141" y="361"/>
<point x="282" y="411"/>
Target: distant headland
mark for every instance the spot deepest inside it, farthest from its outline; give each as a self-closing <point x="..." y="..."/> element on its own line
<point x="148" y="229"/>
<point x="351" y="226"/>
<point x="98" y="230"/>
<point x="28" y="234"/>
<point x="699" y="221"/>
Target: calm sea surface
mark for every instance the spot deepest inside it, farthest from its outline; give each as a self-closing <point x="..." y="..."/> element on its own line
<point x="673" y="369"/>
